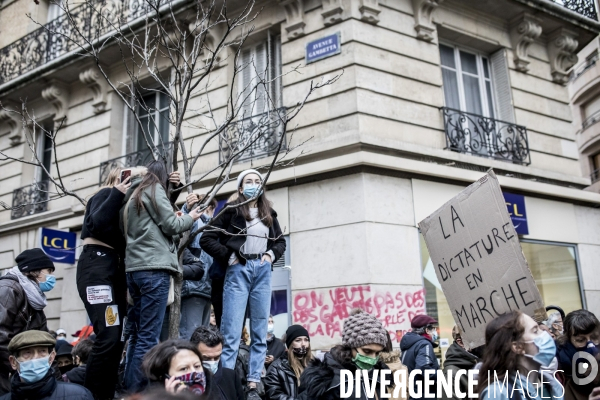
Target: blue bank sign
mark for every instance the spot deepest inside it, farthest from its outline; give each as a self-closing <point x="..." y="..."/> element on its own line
<point x="323" y="48"/>
<point x="515" y="204"/>
<point x="59" y="245"/>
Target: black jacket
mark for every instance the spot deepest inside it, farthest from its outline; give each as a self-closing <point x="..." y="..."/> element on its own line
<point x="276" y="348"/>
<point x="46" y="389"/>
<point x="280" y="381"/>
<point x="417" y="353"/>
<point x="458" y="359"/>
<point x="220" y="245"/>
<point x="229" y="384"/>
<point x="193" y="269"/>
<point x="321" y="379"/>
<point x="76" y="375"/>
<point x="16" y="316"/>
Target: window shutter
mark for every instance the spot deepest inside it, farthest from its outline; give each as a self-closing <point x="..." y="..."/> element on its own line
<point x="502" y="89"/>
<point x="260" y="63"/>
<point x="246" y="82"/>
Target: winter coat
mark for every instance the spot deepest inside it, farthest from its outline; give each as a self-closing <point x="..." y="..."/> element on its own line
<point x="281" y="382"/>
<point x="76" y="375"/>
<point x="220" y="245"/>
<point x="48" y="388"/>
<point x="198" y="287"/>
<point x="458" y="359"/>
<point x="150" y="244"/>
<point x="321" y="379"/>
<point x="565" y="354"/>
<point x="229" y="384"/>
<point x="417" y="353"/>
<point x="16" y="316"/>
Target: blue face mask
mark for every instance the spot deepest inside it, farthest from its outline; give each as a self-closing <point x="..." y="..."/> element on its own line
<point x="32" y="371"/>
<point x="48" y="285"/>
<point x="546" y="349"/>
<point x="212" y="365"/>
<point x="250" y="191"/>
<point x="435" y="336"/>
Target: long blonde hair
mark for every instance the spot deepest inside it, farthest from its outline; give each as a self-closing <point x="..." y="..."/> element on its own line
<point x="299" y="364"/>
<point x="113" y="179"/>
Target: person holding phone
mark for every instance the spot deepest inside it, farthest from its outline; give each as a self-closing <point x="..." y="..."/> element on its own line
<point x="176" y="365"/>
<point x="149" y="224"/>
<point x="101" y="282"/>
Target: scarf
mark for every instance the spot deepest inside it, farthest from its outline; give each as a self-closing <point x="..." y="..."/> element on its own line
<point x="34" y="294"/>
<point x="195" y="381"/>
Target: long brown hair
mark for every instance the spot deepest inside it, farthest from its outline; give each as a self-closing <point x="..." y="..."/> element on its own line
<point x="263" y="204"/>
<point x="499" y="356"/>
<point x="299" y="364"/>
<point x="156" y="174"/>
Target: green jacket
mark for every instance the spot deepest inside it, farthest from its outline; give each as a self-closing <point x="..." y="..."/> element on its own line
<point x="150" y="234"/>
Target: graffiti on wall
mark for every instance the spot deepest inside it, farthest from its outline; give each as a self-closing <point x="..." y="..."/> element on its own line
<point x="322" y="311"/>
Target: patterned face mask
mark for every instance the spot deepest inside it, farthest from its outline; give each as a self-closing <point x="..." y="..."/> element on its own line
<point x="195" y="381"/>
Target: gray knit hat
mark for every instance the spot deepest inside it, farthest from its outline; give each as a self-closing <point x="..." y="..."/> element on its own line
<point x="361" y="329"/>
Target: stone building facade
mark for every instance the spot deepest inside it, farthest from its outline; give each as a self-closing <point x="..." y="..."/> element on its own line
<point x="433" y="93"/>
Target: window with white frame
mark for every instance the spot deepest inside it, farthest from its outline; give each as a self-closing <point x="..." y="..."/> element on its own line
<point x="467" y="81"/>
<point x="260" y="61"/>
<point x="55" y="9"/>
<point x="153" y="112"/>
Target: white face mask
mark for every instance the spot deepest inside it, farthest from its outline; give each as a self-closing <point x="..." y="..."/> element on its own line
<point x="212" y="365"/>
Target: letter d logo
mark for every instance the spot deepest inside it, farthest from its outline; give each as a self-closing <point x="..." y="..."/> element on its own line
<point x="574" y="369"/>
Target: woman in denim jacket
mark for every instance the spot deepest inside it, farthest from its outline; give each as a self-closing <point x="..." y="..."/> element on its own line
<point x="514" y="359"/>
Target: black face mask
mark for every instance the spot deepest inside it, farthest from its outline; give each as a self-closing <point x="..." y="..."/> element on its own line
<point x="66" y="368"/>
<point x="300" y="351"/>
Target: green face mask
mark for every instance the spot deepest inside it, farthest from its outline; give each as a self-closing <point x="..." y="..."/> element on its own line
<point x="364" y="362"/>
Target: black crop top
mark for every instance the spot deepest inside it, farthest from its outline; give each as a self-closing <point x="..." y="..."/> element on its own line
<point x="101" y="219"/>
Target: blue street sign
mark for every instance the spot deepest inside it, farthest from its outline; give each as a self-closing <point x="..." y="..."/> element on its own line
<point x="323" y="48"/>
<point x="515" y="204"/>
<point x="58" y="245"/>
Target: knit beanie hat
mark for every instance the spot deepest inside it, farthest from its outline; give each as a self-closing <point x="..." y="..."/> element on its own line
<point x="293" y="332"/>
<point x="33" y="260"/>
<point x="241" y="176"/>
<point x="361" y="328"/>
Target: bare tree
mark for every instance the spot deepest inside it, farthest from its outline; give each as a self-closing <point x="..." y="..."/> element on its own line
<point x="178" y="48"/>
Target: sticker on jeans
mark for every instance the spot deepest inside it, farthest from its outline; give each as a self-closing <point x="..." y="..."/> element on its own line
<point x="99" y="294"/>
<point x="112" y="316"/>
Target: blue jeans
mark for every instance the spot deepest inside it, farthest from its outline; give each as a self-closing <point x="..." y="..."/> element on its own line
<point x="150" y="291"/>
<point x="195" y="312"/>
<point x="243" y="283"/>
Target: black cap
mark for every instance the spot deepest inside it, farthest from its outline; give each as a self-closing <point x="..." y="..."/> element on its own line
<point x="33" y="260"/>
<point x="63" y="348"/>
<point x="293" y="332"/>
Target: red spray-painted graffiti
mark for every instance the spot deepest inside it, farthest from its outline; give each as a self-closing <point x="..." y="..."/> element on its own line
<point x="323" y="311"/>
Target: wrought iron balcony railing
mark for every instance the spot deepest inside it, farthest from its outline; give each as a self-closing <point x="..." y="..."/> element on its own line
<point x="486" y="137"/>
<point x="29" y="200"/>
<point x="591" y="120"/>
<point x="259" y="135"/>
<point x="587" y="8"/>
<point x="92" y="19"/>
<point x="581" y="70"/>
<point x="137" y="158"/>
<point x="595" y="176"/>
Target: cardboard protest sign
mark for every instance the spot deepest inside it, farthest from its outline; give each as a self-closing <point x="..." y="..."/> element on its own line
<point x="479" y="261"/>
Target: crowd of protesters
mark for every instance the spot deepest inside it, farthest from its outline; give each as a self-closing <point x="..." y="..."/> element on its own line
<point x="125" y="275"/>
